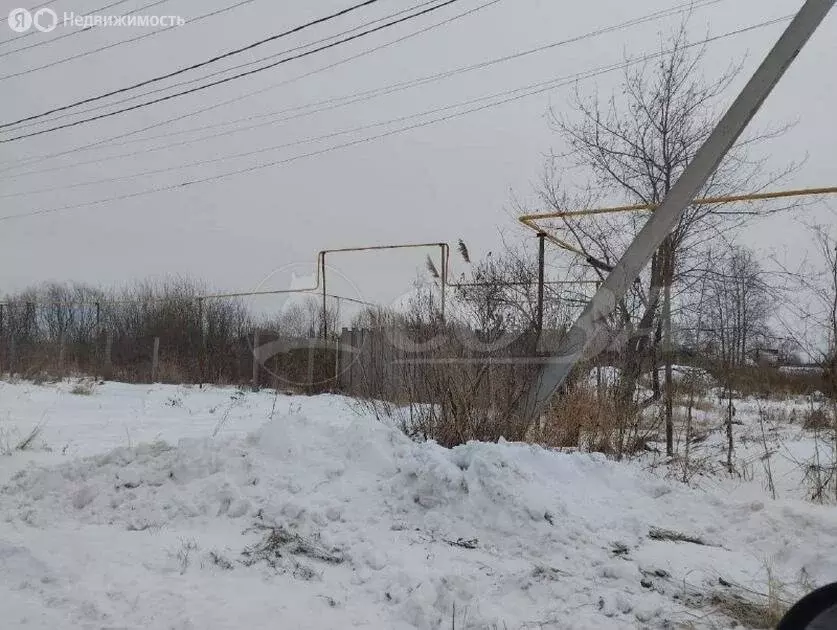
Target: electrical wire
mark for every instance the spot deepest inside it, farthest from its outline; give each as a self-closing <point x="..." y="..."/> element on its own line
<point x="509" y="97"/>
<point x="217" y="72"/>
<point x="121" y="42"/>
<point x="200" y="64"/>
<point x="74" y="33"/>
<point x="355" y="98"/>
<point x="14" y="164"/>
<point x="221" y="81"/>
<point x="689" y="6"/>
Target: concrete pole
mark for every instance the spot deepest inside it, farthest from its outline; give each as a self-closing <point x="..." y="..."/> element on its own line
<point x="587" y="328"/>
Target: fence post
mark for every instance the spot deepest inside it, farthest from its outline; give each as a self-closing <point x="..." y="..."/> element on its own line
<point x="2" y="336"/>
<point x="312" y="357"/>
<point x="539" y="321"/>
<point x="62" y="346"/>
<point x="155" y="356"/>
<point x="337" y="339"/>
<point x="386" y="363"/>
<point x="108" y="364"/>
<point x="97" y="342"/>
<point x="202" y="348"/>
<point x="12" y="352"/>
<point x="256" y="360"/>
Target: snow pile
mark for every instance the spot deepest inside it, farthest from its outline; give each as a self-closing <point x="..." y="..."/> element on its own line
<point x="141" y="487"/>
<point x="322" y="518"/>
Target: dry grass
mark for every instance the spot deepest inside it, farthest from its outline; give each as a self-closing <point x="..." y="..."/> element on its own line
<point x="10" y="443"/>
<point x="6" y="446"/>
<point x="750" y="614"/>
<point x="658" y="533"/>
<point x="172" y="372"/>
<point x="588" y="421"/>
<point x="700" y="403"/>
<point x="280" y="548"/>
<point x="817" y="419"/>
<point x="770" y="382"/>
<point x="450" y="394"/>
<point x="29" y="439"/>
<point x="752" y="609"/>
<point x="83" y="388"/>
<point x="729" y="604"/>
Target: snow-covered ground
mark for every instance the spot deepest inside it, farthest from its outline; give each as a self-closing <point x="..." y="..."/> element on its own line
<point x="163" y="507"/>
<point x="774" y="453"/>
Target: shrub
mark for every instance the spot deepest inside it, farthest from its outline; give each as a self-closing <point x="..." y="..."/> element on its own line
<point x="817" y="419"/>
<point x="83" y="388"/>
<point x="589" y="420"/>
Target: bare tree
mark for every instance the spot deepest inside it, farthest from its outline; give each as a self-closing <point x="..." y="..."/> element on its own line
<point x="737" y="307"/>
<point x="826" y="295"/>
<point x="635" y="145"/>
<point x="302" y="317"/>
<point x="462" y="377"/>
<point x="819" y="339"/>
<point x="498" y="295"/>
<point x="57" y="324"/>
<point x="734" y="318"/>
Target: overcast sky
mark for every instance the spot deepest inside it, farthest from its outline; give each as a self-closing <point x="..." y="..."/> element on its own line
<point x="435" y="183"/>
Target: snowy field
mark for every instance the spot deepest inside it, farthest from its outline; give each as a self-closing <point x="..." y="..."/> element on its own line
<point x="177" y="508"/>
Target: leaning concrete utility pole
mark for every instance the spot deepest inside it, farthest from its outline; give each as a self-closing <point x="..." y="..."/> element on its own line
<point x="590" y="323"/>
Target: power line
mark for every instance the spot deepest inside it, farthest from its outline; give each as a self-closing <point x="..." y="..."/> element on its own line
<point x="688" y="6"/>
<point x="216" y="73"/>
<point x="357" y="97"/>
<point x="529" y="90"/>
<point x="167" y="169"/>
<point x="110" y="140"/>
<point x="227" y="79"/>
<point x="72" y="33"/>
<point x="509" y="96"/>
<point x="214" y="59"/>
<point x="234" y="77"/>
<point x="121" y="42"/>
<point x="370" y="93"/>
